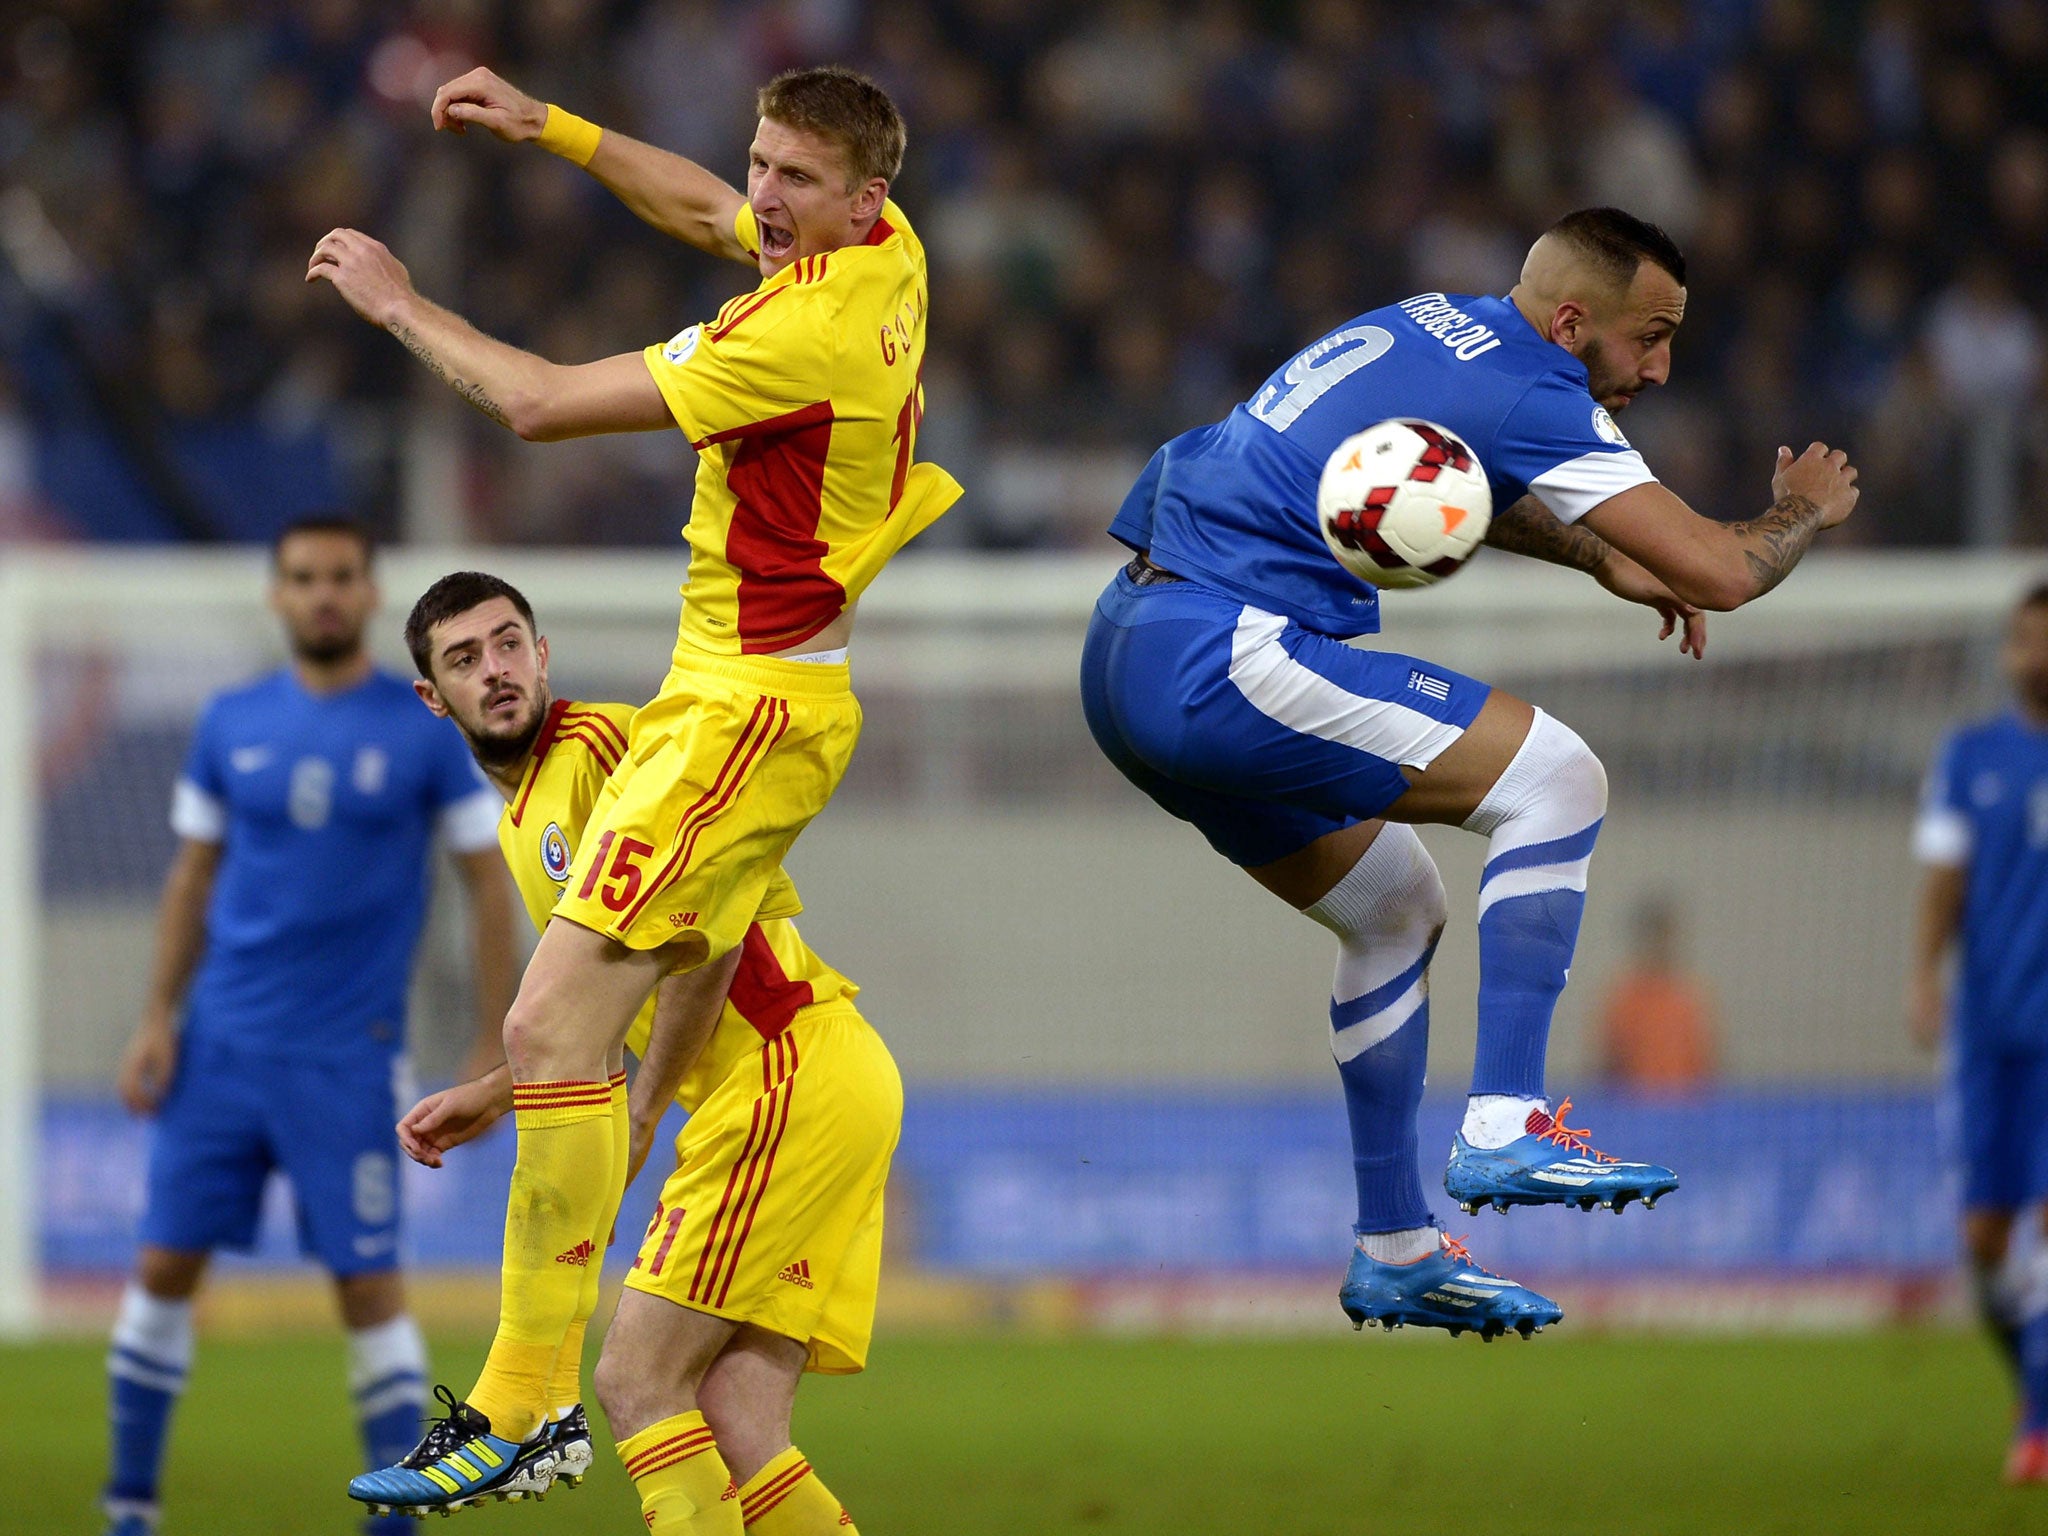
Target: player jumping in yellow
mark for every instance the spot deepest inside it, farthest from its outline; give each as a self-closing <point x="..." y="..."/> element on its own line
<point x="780" y="1074"/>
<point x="803" y="402"/>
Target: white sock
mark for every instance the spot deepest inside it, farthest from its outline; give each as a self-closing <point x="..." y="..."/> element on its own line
<point x="158" y="1331"/>
<point x="1495" y="1119"/>
<point x="387" y="1366"/>
<point x="1403" y="1247"/>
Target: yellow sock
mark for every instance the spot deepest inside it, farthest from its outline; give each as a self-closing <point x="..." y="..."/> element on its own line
<point x="560" y="1183"/>
<point x="682" y="1480"/>
<point x="565" y="1383"/>
<point x="785" y="1498"/>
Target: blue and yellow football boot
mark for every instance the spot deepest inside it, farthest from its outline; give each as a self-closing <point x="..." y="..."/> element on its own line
<point x="1550" y="1164"/>
<point x="1444" y="1289"/>
<point x="459" y="1463"/>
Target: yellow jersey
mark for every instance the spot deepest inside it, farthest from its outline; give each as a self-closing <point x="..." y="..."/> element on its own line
<point x="802" y="399"/>
<point x="779" y="979"/>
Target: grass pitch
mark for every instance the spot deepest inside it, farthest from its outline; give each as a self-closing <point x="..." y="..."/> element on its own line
<point x="1896" y="1433"/>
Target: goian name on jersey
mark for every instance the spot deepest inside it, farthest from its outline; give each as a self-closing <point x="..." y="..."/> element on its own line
<point x="779" y="977"/>
<point x="1233" y="505"/>
<point x="802" y="399"/>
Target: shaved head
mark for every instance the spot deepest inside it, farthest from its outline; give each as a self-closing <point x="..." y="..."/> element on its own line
<point x="1610" y="289"/>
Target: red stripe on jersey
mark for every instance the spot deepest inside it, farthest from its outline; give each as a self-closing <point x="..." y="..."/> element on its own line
<point x="541" y="743"/>
<point x="726" y="327"/>
<point x="777" y="479"/>
<point x="601" y="747"/>
<point x="762" y="991"/>
<point x="603" y="724"/>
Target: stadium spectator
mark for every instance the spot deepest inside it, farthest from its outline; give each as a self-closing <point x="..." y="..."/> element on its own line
<point x="1657" y="1017"/>
<point x="1098" y="177"/>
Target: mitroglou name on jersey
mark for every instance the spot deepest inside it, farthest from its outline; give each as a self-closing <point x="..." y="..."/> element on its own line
<point x="1450" y="325"/>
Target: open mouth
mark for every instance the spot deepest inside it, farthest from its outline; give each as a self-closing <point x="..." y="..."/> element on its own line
<point x="776" y="243"/>
<point x="502" y="699"/>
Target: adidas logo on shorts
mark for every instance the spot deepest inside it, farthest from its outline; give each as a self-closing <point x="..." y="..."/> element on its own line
<point x="579" y="1255"/>
<point x="798" y="1273"/>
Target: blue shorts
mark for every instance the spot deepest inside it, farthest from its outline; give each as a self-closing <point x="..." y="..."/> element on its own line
<point x="329" y="1127"/>
<point x="1264" y="735"/>
<point x="1999" y="1120"/>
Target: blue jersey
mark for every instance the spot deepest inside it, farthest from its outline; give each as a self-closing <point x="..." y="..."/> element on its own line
<point x="1234" y="505"/>
<point x="1985" y="810"/>
<point x="327" y="806"/>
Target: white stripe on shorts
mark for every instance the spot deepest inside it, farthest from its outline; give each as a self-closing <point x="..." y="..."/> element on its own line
<point x="1283" y="690"/>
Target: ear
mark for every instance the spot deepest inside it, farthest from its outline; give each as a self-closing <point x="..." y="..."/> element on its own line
<point x="1566" y="322"/>
<point x="867" y="202"/>
<point x="430" y="696"/>
<point x="540" y="656"/>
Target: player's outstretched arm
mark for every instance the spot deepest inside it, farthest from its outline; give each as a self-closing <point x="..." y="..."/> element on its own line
<point x="1937" y="922"/>
<point x="686" y="1010"/>
<point x="1530" y="528"/>
<point x="1724" y="565"/>
<point x="152" y="1052"/>
<point x="494" y="962"/>
<point x="539" y="400"/>
<point x="677" y="196"/>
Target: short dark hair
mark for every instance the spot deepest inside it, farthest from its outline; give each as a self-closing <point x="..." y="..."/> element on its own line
<point x="1616" y="243"/>
<point x="2036" y="597"/>
<point x="846" y="107"/>
<point x="455" y="594"/>
<point x="324" y="522"/>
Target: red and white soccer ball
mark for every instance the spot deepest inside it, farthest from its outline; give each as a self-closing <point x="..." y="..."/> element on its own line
<point x="1403" y="504"/>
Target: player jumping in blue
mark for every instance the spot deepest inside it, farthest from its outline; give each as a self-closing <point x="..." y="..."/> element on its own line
<point x="1982" y="838"/>
<point x="1215" y="678"/>
<point x="275" y="1030"/>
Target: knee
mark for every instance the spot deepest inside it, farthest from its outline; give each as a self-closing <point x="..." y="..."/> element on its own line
<point x="526" y="1037"/>
<point x="1987" y="1235"/>
<point x="169" y="1274"/>
<point x="1579" y="771"/>
<point x="1393" y="890"/>
<point x="620" y="1391"/>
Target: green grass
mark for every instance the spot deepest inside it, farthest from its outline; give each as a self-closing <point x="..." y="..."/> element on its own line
<point x="1895" y="1433"/>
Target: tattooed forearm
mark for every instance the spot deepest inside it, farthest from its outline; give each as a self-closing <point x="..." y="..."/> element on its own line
<point x="469" y="389"/>
<point x="1529" y="528"/>
<point x="1776" y="540"/>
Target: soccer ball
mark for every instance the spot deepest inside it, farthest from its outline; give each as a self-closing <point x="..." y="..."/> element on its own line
<point x="1403" y="504"/>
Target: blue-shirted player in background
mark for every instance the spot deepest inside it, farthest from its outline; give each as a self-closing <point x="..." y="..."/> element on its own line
<point x="1983" y="840"/>
<point x="274" y="1036"/>
<point x="1215" y="678"/>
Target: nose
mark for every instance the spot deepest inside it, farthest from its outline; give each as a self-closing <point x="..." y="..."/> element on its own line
<point x="1657" y="364"/>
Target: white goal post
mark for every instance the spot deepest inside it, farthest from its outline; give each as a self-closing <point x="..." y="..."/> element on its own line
<point x="972" y="656"/>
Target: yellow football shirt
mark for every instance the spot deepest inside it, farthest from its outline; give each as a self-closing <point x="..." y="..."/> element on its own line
<point x="780" y="977"/>
<point x="803" y="399"/>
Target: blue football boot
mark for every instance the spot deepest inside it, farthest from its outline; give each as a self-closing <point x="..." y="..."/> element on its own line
<point x="1551" y="1164"/>
<point x="1444" y="1289"/>
<point x="459" y="1463"/>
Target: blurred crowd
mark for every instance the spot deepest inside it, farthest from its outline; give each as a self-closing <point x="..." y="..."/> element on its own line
<point x="1133" y="210"/>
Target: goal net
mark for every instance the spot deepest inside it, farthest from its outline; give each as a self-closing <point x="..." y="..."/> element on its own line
<point x="1115" y="1046"/>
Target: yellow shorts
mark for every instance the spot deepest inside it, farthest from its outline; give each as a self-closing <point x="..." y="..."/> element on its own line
<point x="723" y="768"/>
<point x="773" y="1215"/>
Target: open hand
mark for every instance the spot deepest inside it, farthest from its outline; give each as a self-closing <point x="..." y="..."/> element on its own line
<point x="372" y="280"/>
<point x="1823" y="475"/>
<point x="453" y="1116"/>
<point x="482" y="98"/>
<point x="1633" y="584"/>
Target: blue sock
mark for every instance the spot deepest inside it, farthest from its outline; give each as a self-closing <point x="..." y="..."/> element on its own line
<point x="1382" y="1091"/>
<point x="1525" y="956"/>
<point x="2034" y="1372"/>
<point x="147" y="1362"/>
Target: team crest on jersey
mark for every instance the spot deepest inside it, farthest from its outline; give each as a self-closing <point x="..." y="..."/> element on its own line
<point x="555" y="858"/>
<point x="1604" y="427"/>
<point x="682" y="344"/>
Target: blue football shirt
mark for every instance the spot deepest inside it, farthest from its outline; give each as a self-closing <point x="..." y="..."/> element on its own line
<point x="1985" y="810"/>
<point x="327" y="807"/>
<point x="1233" y="505"/>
